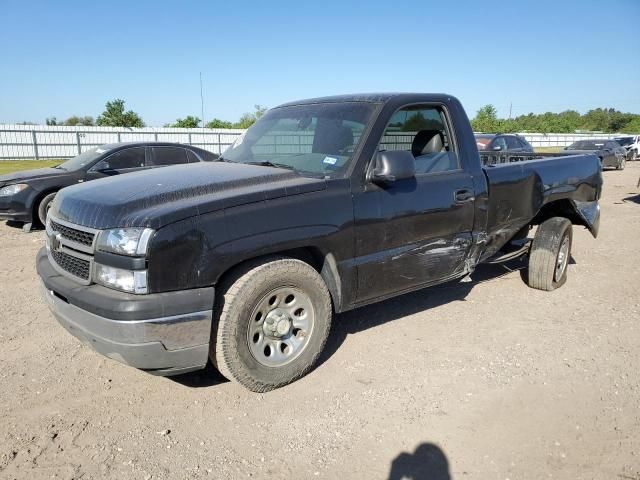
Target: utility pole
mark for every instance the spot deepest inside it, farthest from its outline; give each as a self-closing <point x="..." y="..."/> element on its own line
<point x="510" y="105"/>
<point x="201" y="101"/>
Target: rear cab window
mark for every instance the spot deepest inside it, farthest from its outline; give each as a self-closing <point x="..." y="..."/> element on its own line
<point x="424" y="131"/>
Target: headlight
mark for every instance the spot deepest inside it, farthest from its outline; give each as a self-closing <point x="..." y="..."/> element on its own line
<point x="125" y="241"/>
<point x="132" y="281"/>
<point x="12" y="189"/>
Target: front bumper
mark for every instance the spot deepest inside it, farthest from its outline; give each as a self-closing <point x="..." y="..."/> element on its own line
<point x="18" y="207"/>
<point x="166" y="344"/>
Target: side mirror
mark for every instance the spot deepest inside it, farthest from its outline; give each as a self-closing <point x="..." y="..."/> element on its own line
<point x="497" y="148"/>
<point x="103" y="166"/>
<point x="566" y="148"/>
<point x="393" y="166"/>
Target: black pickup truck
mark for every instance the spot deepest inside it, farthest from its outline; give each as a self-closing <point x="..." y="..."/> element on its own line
<point x="324" y="205"/>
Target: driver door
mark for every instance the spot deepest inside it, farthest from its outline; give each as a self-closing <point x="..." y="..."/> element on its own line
<point x="414" y="231"/>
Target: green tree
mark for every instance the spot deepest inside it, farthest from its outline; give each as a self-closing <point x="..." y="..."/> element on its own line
<point x="217" y="123"/>
<point x="53" y="121"/>
<point x="248" y="119"/>
<point x="114" y="115"/>
<point x="486" y="120"/>
<point x="188" y="122"/>
<point x="74" y="120"/>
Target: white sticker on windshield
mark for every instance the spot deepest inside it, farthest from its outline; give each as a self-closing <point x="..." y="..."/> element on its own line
<point x="330" y="160"/>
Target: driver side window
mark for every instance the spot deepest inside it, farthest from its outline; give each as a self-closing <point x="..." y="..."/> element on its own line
<point x="423" y="131"/>
<point x="124" y="159"/>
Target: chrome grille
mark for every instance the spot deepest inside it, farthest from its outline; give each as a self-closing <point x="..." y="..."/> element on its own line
<point x="75" y="266"/>
<point x="71" y="248"/>
<point x="73" y="234"/>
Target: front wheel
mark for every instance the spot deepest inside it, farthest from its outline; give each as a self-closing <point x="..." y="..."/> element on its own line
<point x="550" y="254"/>
<point x="621" y="164"/>
<point x="273" y="321"/>
<point x="43" y="207"/>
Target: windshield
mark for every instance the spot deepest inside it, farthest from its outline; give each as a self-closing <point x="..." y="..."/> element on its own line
<point x="626" y="141"/>
<point x="318" y="139"/>
<point x="587" y="145"/>
<point x="83" y="159"/>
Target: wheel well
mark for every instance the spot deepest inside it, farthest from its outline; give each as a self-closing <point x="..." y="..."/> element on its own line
<point x="559" y="208"/>
<point x="322" y="263"/>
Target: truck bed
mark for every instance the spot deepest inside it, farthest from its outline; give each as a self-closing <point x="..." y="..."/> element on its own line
<point x="571" y="181"/>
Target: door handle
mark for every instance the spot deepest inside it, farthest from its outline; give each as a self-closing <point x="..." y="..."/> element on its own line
<point x="463" y="196"/>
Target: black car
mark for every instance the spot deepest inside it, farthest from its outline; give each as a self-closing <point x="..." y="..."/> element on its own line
<point x="25" y="196"/>
<point x="502" y="143"/>
<point x="611" y="153"/>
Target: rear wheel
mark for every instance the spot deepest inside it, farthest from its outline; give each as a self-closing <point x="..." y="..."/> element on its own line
<point x="43" y="207"/>
<point x="621" y="164"/>
<point x="550" y="254"/>
<point x="273" y="322"/>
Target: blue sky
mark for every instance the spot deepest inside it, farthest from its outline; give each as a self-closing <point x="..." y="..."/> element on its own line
<point x="69" y="57"/>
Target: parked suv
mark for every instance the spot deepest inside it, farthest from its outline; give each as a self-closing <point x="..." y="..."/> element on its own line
<point x="503" y="142"/>
<point x="632" y="145"/>
<point x="25" y="196"/>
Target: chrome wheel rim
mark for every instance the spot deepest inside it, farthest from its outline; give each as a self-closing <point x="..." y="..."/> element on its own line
<point x="563" y="259"/>
<point x="280" y="326"/>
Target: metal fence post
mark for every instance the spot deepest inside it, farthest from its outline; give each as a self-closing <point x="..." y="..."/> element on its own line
<point x="35" y="144"/>
<point x="119" y="137"/>
<point x="190" y="138"/>
<point x="155" y="136"/>
<point x="78" y="142"/>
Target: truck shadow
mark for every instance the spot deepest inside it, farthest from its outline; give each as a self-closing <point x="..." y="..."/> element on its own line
<point x="632" y="198"/>
<point x="371" y="316"/>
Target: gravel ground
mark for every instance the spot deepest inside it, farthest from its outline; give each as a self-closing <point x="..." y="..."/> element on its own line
<point x="480" y="380"/>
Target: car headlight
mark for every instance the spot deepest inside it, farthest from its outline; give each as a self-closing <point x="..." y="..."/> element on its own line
<point x="12" y="189"/>
<point x="125" y="241"/>
<point x="132" y="281"/>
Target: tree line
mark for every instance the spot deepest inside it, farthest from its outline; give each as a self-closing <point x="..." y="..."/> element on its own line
<point x="607" y="120"/>
<point x="115" y="115"/>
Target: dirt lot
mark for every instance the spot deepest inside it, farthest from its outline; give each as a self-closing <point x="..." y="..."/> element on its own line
<point x="480" y="380"/>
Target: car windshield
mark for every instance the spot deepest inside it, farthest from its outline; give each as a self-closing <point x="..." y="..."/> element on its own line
<point x="316" y="139"/>
<point x="625" y="141"/>
<point x="587" y="145"/>
<point x="85" y="158"/>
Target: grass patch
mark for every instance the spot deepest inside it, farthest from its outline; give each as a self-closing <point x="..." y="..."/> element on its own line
<point x="10" y="166"/>
<point x="547" y="149"/>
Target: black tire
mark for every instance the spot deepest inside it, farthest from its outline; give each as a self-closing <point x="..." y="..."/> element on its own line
<point x="243" y="293"/>
<point x="544" y="257"/>
<point x="43" y="207"/>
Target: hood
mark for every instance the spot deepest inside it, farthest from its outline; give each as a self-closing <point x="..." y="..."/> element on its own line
<point x="36" y="174"/>
<point x="158" y="197"/>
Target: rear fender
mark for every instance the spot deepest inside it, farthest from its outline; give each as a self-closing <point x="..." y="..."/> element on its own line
<point x="589" y="213"/>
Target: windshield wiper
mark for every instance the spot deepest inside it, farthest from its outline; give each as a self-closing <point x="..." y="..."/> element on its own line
<point x="267" y="163"/>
